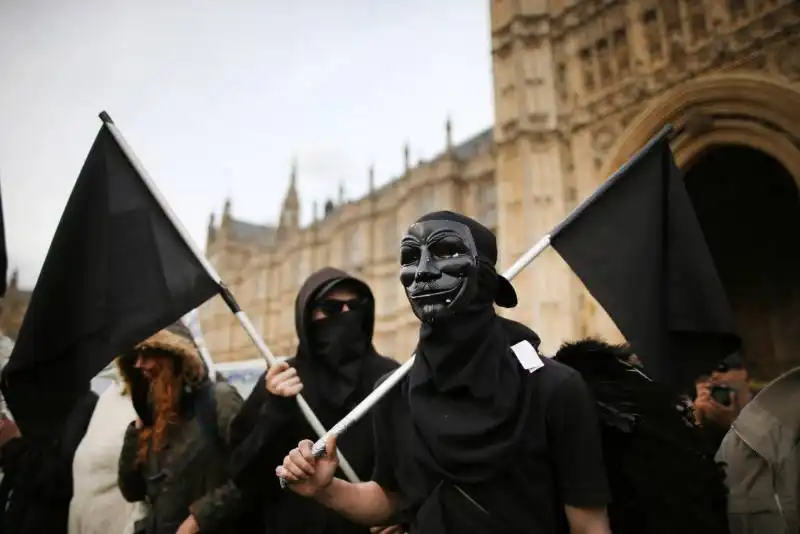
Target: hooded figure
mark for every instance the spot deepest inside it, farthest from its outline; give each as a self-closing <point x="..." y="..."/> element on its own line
<point x="338" y="367"/>
<point x="175" y="456"/>
<point x="482" y="435"/>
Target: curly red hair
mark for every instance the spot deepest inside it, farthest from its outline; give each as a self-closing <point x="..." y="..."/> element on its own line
<point x="165" y="391"/>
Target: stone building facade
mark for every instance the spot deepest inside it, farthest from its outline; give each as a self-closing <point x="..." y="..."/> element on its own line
<point x="580" y="86"/>
<point x="12" y="307"/>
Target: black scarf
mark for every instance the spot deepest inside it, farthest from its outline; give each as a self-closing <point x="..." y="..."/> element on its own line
<point x="339" y="347"/>
<point x="466" y="395"/>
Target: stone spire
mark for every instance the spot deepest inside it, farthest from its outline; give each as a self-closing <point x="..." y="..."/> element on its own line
<point x="407" y="157"/>
<point x="341" y="193"/>
<point x="211" y="234"/>
<point x="290" y="211"/>
<point x="448" y="128"/>
<point x="371" y="178"/>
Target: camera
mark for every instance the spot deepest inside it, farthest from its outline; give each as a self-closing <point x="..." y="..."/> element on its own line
<point x="722" y="394"/>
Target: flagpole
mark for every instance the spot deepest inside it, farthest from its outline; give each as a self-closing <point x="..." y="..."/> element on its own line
<point x="225" y="293"/>
<point x="191" y="322"/>
<point x="377" y="394"/>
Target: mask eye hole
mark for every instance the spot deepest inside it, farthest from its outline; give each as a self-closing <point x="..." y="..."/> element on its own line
<point x="448" y="248"/>
<point x="409" y="255"/>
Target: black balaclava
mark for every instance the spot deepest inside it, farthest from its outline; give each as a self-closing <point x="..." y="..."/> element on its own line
<point x="465" y="389"/>
<point x="339" y="345"/>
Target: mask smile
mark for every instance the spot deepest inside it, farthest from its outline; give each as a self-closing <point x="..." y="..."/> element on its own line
<point x="438" y="267"/>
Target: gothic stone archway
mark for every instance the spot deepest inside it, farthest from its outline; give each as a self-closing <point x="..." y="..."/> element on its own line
<point x="737" y="137"/>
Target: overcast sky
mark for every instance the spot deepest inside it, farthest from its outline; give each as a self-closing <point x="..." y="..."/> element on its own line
<point x="216" y="98"/>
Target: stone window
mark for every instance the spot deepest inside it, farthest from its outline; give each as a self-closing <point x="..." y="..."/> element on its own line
<point x="487" y="204"/>
<point x="697" y="20"/>
<point x="425" y="200"/>
<point x="622" y="52"/>
<point x="303" y="268"/>
<point x="562" y="81"/>
<point x="353" y="253"/>
<point x="391" y="235"/>
<point x="670" y="10"/>
<point x="738" y="9"/>
<point x="604" y="61"/>
<point x="587" y="66"/>
<point x="652" y="32"/>
<point x="262" y="284"/>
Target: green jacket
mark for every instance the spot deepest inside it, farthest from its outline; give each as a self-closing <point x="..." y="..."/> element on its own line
<point x="189" y="476"/>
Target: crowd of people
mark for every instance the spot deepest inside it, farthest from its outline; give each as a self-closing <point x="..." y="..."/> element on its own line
<point x="483" y="435"/>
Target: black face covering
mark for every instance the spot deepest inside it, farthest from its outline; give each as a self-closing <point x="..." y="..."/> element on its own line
<point x="465" y="392"/>
<point x="339" y="346"/>
<point x="439" y="266"/>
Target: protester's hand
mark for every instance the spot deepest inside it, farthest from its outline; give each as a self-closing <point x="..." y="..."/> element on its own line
<point x="8" y="431"/>
<point x="394" y="529"/>
<point x="282" y="380"/>
<point x="710" y="410"/>
<point x="189" y="526"/>
<point x="306" y="475"/>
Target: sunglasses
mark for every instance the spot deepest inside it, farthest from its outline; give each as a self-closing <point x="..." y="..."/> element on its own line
<point x="332" y="307"/>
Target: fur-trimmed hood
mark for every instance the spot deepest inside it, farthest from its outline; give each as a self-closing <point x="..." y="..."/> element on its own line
<point x="176" y="342"/>
<point x="179" y="346"/>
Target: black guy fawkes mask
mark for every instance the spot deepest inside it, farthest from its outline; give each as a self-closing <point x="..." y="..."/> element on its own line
<point x="439" y="268"/>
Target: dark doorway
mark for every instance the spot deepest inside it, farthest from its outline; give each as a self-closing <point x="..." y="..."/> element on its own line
<point x="749" y="208"/>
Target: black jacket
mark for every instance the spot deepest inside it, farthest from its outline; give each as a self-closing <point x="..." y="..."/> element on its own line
<point x="268" y="427"/>
<point x="37" y="483"/>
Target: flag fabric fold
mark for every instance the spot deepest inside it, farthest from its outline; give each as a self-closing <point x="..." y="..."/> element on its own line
<point x="639" y="249"/>
<point x="116" y="272"/>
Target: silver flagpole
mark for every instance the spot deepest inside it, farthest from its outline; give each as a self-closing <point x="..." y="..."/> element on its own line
<point x="192" y="322"/>
<point x="225" y="293"/>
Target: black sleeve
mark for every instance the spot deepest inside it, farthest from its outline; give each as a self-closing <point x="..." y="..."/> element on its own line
<point x="37" y="469"/>
<point x="576" y="445"/>
<point x="258" y="452"/>
<point x="385" y="444"/>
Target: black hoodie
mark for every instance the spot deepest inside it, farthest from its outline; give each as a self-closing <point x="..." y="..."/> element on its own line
<point x="268" y="427"/>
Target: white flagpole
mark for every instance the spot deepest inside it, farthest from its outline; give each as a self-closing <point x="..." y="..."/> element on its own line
<point x="225" y="293"/>
<point x="192" y="322"/>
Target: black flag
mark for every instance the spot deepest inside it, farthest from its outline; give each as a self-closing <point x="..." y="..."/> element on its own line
<point x="117" y="272"/>
<point x="637" y="246"/>
<point x="3" y="253"/>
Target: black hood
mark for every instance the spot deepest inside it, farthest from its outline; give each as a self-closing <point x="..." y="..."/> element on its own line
<point x="321" y="280"/>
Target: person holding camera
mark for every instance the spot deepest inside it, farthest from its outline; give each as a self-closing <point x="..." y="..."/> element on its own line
<point x="720" y="398"/>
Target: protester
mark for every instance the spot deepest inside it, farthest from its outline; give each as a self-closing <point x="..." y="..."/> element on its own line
<point x="37" y="484"/>
<point x="662" y="479"/>
<point x="720" y="398"/>
<point x="335" y="367"/>
<point x="175" y="454"/>
<point x="761" y="454"/>
<point x="483" y="435"/>
<point x="98" y="506"/>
